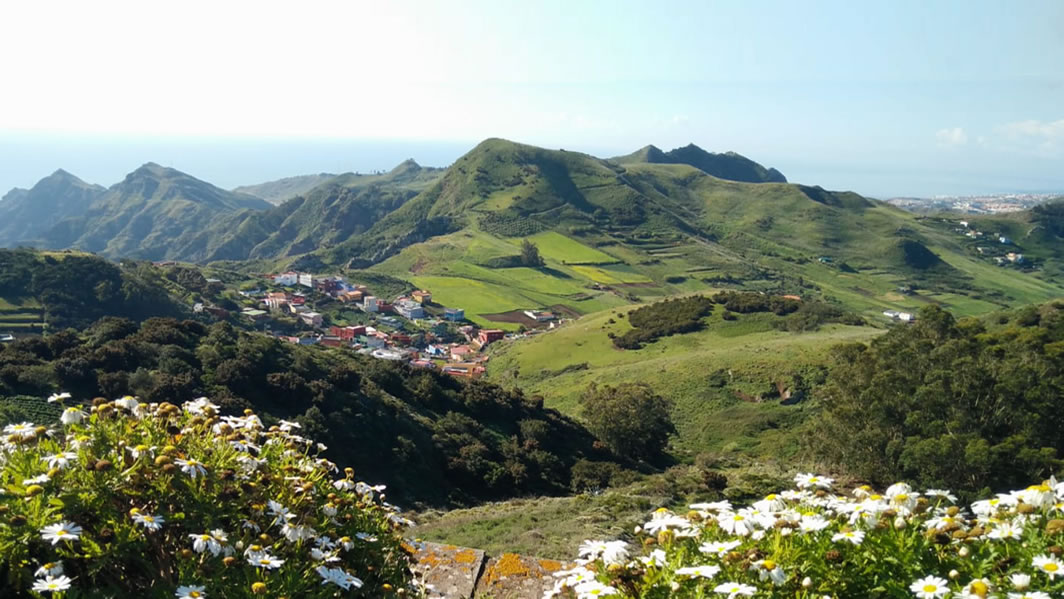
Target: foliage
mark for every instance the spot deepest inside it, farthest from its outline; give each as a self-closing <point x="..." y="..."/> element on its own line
<point x="75" y="290"/>
<point x="506" y="224"/>
<point x="661" y="319"/>
<point x="435" y="439"/>
<point x="745" y="302"/>
<point x="151" y="498"/>
<point x="530" y="254"/>
<point x="948" y="403"/>
<point x="630" y="418"/>
<point x="811" y="543"/>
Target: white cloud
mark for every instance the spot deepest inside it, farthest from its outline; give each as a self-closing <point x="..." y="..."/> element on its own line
<point x="951" y="137"/>
<point x="1043" y="136"/>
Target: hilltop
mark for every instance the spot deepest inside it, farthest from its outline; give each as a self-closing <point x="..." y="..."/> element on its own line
<point x="27" y="213"/>
<point x="729" y="165"/>
<point x="276" y="192"/>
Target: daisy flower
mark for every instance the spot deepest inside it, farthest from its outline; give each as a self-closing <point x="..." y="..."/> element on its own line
<point x="698" y="571"/>
<point x="1020" y="581"/>
<point x="190" y="592"/>
<point x="58" y="397"/>
<point x="23" y="430"/>
<point x="930" y="587"/>
<point x="261" y="559"/>
<point x="191" y="467"/>
<point x="1050" y="565"/>
<point x="852" y="536"/>
<point x="735" y="589"/>
<point x="1030" y="595"/>
<point x="149" y="521"/>
<point x="63" y="531"/>
<point x="60" y="460"/>
<point x="812" y="481"/>
<point x="52" y="584"/>
<point x="49" y="569"/>
<point x="72" y="415"/>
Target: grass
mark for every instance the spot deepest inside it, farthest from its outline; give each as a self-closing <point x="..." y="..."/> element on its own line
<point x="557" y="247"/>
<point x="710" y="416"/>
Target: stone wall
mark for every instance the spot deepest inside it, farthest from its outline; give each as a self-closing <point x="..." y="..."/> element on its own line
<point x="463" y="573"/>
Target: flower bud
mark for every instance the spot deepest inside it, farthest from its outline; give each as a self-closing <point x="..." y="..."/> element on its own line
<point x="899" y="523"/>
<point x="259" y="588"/>
<point x="953" y="574"/>
<point x="807" y="582"/>
<point x="963" y="552"/>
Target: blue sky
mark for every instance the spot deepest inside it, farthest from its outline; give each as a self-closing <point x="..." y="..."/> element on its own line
<point x="885" y="98"/>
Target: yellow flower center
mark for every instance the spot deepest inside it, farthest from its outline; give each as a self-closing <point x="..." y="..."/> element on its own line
<point x="930" y="588"/>
<point x="768" y="564"/>
<point x="60" y="532"/>
<point x="194" y="594"/>
<point x="979" y="588"/>
<point x="901" y="497"/>
<point x="1051" y="567"/>
<point x="738" y="518"/>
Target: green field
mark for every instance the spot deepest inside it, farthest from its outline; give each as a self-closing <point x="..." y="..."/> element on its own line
<point x="557" y="247"/>
<point x="749" y="353"/>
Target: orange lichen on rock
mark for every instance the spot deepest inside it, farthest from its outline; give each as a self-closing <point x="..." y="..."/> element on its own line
<point x="466" y="556"/>
<point x="508" y="564"/>
<point x="550" y="565"/>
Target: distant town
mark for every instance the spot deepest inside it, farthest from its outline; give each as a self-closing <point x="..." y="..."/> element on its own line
<point x="982" y="204"/>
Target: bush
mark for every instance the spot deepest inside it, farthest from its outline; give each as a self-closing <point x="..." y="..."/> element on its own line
<point x="131" y="499"/>
<point x="662" y="319"/>
<point x="808" y="543"/>
<point x="631" y="419"/>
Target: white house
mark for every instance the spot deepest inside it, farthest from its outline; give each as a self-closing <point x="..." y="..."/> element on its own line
<point x="306" y="279"/>
<point x="369" y="304"/>
<point x="409" y="309"/>
<point x="286" y="279"/>
<point x="964" y="223"/>
<point x="906" y="317"/>
<point x="891" y="313"/>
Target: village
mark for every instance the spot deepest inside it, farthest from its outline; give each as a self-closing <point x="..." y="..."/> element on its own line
<point x="333" y="312"/>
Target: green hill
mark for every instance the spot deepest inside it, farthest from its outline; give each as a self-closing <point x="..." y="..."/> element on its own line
<point x="155" y="213"/>
<point x="27" y="213"/>
<point x="659" y="229"/>
<point x="276" y="192"/>
<point x="729" y="165"/>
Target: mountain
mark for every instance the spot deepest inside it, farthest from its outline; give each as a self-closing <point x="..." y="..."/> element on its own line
<point x="276" y="192"/>
<point x="729" y="165"/>
<point x="154" y="213"/>
<point x="27" y="213"/>
<point x="343" y="206"/>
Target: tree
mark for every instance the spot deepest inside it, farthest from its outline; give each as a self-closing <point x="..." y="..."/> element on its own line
<point x="630" y="418"/>
<point x="530" y="254"/>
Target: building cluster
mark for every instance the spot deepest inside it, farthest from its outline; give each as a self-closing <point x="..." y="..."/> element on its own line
<point x="899" y="316"/>
<point x="1001" y="258"/>
<point x="440" y="339"/>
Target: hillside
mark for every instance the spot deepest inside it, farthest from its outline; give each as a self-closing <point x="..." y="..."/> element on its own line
<point x="612" y="233"/>
<point x="343" y="206"/>
<point x="155" y="213"/>
<point x="27" y="213"/>
<point x="729" y="165"/>
<point x="276" y="192"/>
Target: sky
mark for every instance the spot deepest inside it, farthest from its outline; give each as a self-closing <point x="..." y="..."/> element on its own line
<point x="886" y="98"/>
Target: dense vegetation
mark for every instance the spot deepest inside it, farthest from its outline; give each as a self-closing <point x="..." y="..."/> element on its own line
<point x="434" y="438"/>
<point x="161" y="501"/>
<point x="661" y="319"/>
<point x="630" y="418"/>
<point x="75" y="290"/>
<point x="962" y="404"/>
<point x="746" y="302"/>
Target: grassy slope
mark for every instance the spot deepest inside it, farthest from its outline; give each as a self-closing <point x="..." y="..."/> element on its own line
<point x="750" y="350"/>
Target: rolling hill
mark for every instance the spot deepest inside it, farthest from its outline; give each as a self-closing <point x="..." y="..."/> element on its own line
<point x="729" y="165"/>
<point x="276" y="192"/>
<point x="27" y="213"/>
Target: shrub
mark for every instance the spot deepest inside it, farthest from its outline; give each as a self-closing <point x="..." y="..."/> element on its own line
<point x="811" y="543"/>
<point x="130" y="499"/>
<point x="631" y="419"/>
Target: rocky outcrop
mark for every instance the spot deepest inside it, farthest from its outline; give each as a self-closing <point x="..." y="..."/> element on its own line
<point x="462" y="573"/>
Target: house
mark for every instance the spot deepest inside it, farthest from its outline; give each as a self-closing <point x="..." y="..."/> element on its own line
<point x="286" y="279"/>
<point x="214" y="281"/>
<point x="276" y="301"/>
<point x="369" y="304"/>
<point x="327" y="285"/>
<point x="7" y="338"/>
<point x="796" y="298"/>
<point x="350" y="296"/>
<point x="290" y="339"/>
<point x="539" y="316"/>
<point x="487" y="336"/>
<point x="400" y="339"/>
<point x="891" y="313"/>
<point x="331" y="341"/>
<point x="297" y="300"/>
<point x="254" y="314"/>
<point x="1004" y="240"/>
<point x="981" y="249"/>
<point x="1014" y="257"/>
<point x="964" y="223"/>
<point x="454" y="314"/>
<point x="313" y="319"/>
<point x="422" y="297"/>
<point x="409" y="309"/>
<point x="197" y="307"/>
<point x="371" y="341"/>
<point x="906" y="317"/>
<point x="306" y="279"/>
<point x="461" y="352"/>
<point x="471" y="371"/>
<point x="216" y="312"/>
<point x="468" y="331"/>
<point x="825" y="259"/>
<point x="435" y="351"/>
<point x="388" y="354"/>
<point x="422" y="364"/>
<point x="385" y="307"/>
<point x="348" y="333"/>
